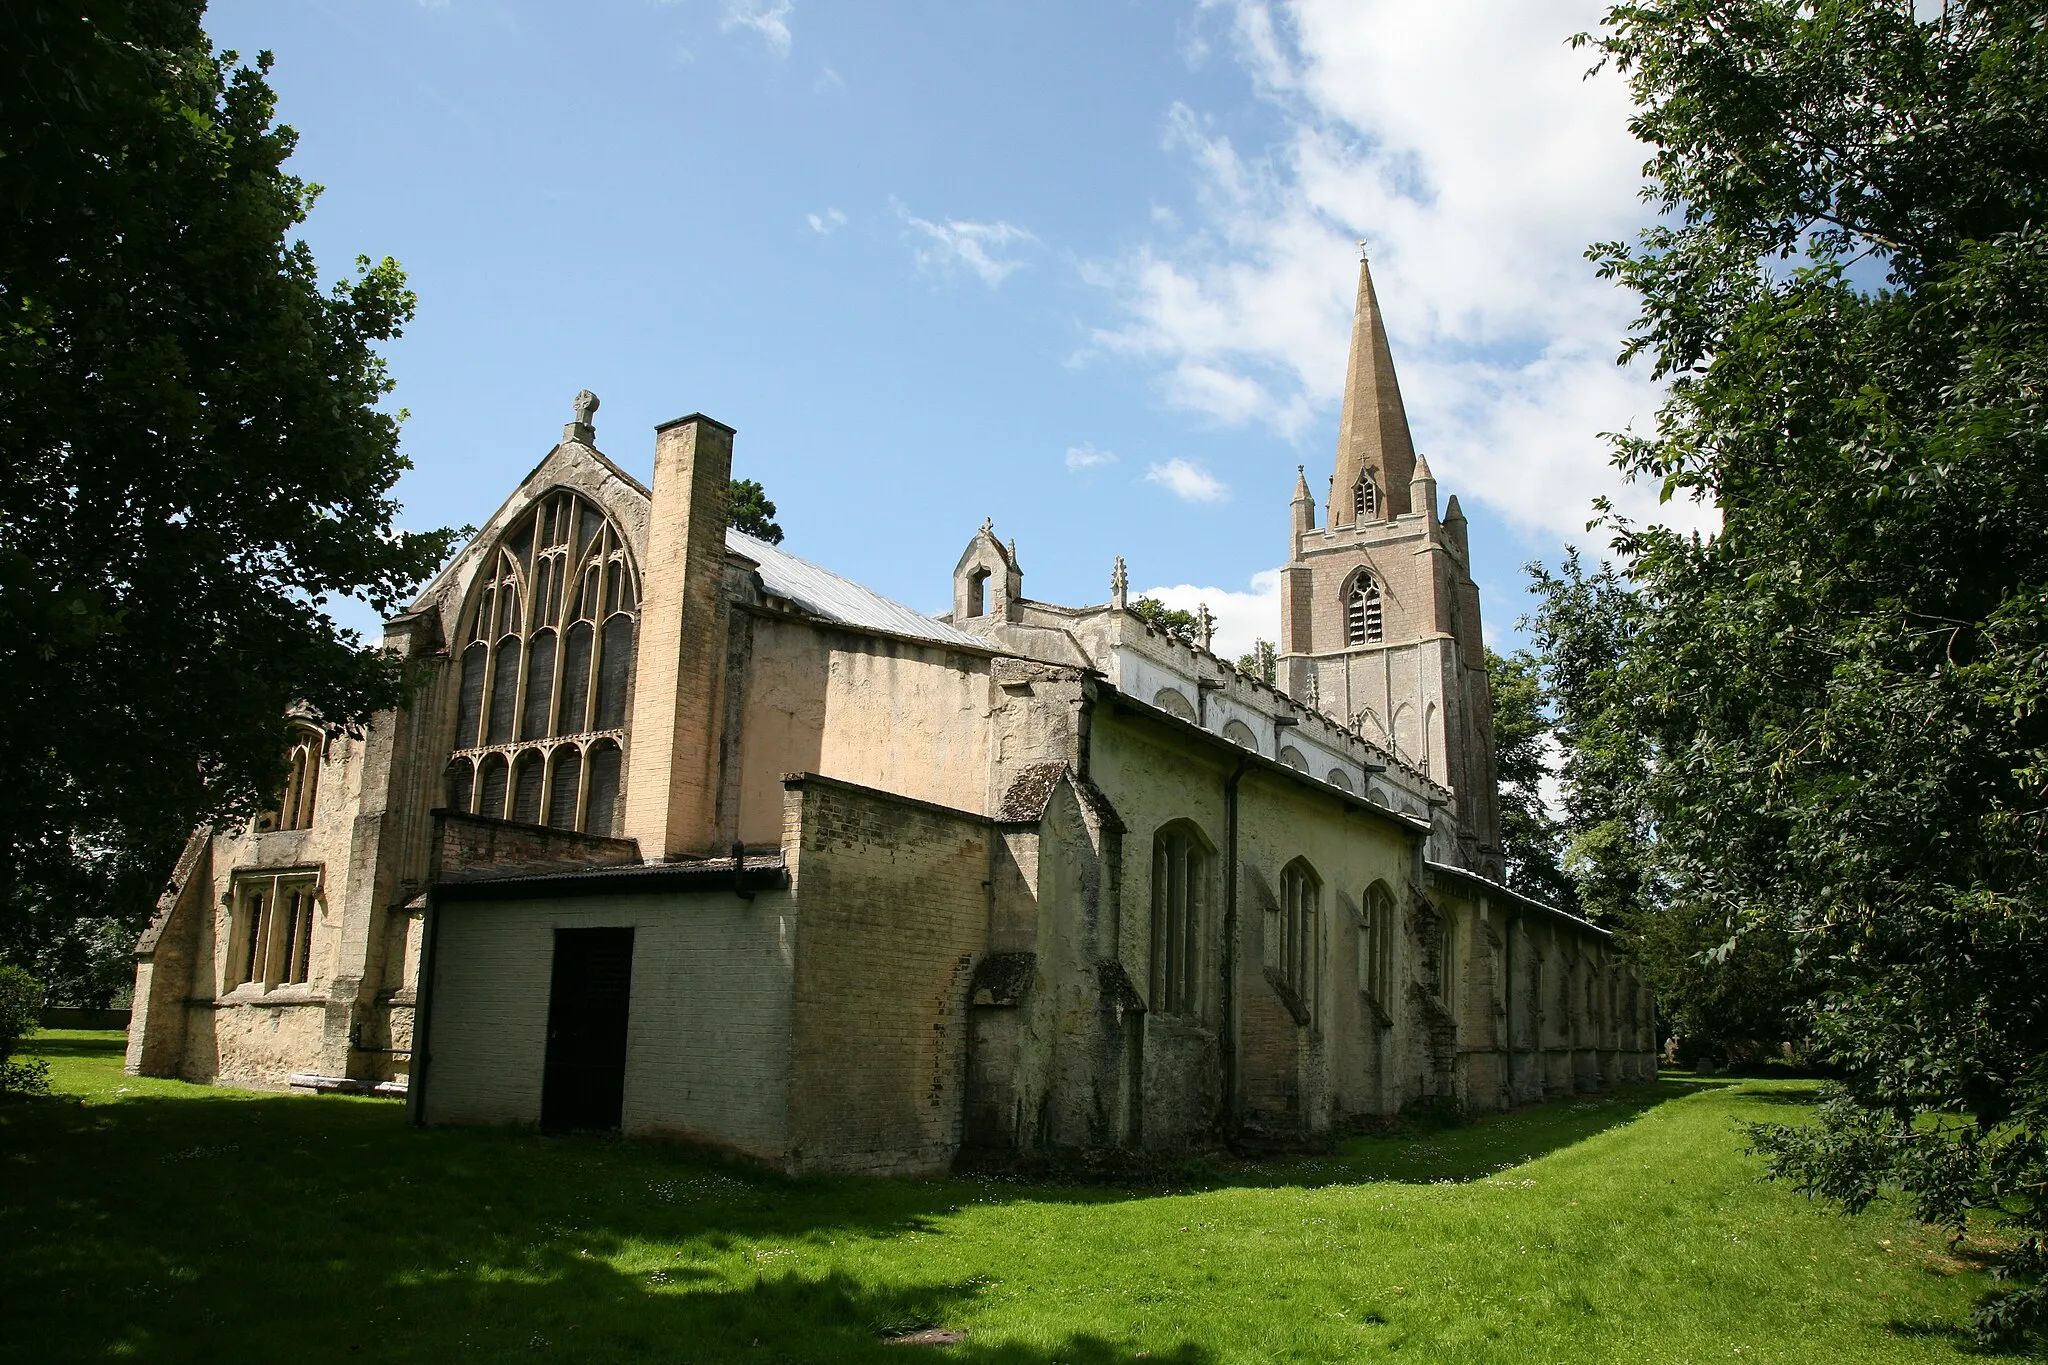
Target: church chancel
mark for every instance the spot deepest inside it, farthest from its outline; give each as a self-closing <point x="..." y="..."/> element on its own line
<point x="686" y="835"/>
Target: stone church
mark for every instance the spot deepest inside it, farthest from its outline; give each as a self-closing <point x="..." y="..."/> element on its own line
<point x="684" y="835"/>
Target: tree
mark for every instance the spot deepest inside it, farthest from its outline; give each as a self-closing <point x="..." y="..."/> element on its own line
<point x="197" y="463"/>
<point x="1847" y="288"/>
<point x="1182" y="625"/>
<point x="1261" y="663"/>
<point x="1531" y="839"/>
<point x="753" y="513"/>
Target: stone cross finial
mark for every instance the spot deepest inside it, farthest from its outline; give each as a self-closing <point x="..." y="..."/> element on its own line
<point x="988" y="527"/>
<point x="1119" y="584"/>
<point x="1205" y="625"/>
<point x="582" y="429"/>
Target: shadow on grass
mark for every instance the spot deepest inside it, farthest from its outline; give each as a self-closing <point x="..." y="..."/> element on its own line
<point x="167" y="1227"/>
<point x="110" y="1045"/>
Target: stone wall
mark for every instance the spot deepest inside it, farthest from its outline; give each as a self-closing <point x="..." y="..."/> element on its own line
<point x="708" y="1035"/>
<point x="894" y="905"/>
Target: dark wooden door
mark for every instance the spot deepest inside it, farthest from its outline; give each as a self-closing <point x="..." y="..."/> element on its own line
<point x="584" y="1084"/>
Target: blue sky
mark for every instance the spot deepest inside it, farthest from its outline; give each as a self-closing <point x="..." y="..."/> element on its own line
<point x="1084" y="268"/>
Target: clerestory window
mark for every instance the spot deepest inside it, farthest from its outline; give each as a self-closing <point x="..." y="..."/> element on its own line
<point x="1363" y="620"/>
<point x="1180" y="882"/>
<point x="540" y="717"/>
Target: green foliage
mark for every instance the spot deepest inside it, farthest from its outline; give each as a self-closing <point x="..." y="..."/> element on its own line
<point x="1262" y="663"/>
<point x="1182" y="625"/>
<point x="1848" y="290"/>
<point x="1531" y="839"/>
<point x="197" y="461"/>
<point x="752" y="512"/>
<point x="1605" y="1228"/>
<point x="21" y="1008"/>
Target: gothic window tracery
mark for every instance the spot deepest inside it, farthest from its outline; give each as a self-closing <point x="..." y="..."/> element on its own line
<point x="540" y="712"/>
<point x="1301" y="894"/>
<point x="1376" y="945"/>
<point x="271" y="937"/>
<point x="295" y="806"/>
<point x="1364" y="621"/>
<point x="1180" y="876"/>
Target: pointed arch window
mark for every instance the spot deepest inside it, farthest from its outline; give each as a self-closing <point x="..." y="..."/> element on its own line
<point x="1363" y="619"/>
<point x="1180" y="897"/>
<point x="540" y="709"/>
<point x="305" y="747"/>
<point x="1365" y="497"/>
<point x="1298" y="931"/>
<point x="1376" y="946"/>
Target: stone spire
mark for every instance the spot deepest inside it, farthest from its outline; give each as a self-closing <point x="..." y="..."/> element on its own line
<point x="1373" y="434"/>
<point x="1119" y="584"/>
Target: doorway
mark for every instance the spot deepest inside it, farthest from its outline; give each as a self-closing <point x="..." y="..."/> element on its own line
<point x="583" y="1084"/>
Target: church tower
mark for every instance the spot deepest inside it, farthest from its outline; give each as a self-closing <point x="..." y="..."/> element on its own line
<point x="1379" y="616"/>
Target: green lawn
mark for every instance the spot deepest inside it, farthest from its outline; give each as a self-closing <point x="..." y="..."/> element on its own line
<point x="161" y="1221"/>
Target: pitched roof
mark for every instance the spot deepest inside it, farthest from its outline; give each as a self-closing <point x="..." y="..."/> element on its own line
<point x="824" y="593"/>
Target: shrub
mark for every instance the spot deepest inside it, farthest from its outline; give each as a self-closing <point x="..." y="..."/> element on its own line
<point x="21" y="1006"/>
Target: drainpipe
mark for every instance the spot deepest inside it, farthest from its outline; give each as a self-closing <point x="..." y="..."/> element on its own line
<point x="1228" y="1035"/>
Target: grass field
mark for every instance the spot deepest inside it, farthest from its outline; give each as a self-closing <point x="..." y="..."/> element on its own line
<point x="157" y="1221"/>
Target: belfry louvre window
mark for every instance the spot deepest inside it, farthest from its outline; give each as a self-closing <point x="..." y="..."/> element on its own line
<point x="541" y="712"/>
<point x="1365" y="498"/>
<point x="1301" y="895"/>
<point x="1363" y="624"/>
<point x="1180" y="880"/>
<point x="270" y="941"/>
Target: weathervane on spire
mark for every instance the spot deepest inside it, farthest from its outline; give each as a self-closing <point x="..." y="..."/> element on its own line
<point x="1362" y="254"/>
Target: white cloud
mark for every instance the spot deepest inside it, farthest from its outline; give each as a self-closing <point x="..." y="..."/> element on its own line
<point x="943" y="248"/>
<point x="769" y="18"/>
<point x="1189" y="482"/>
<point x="829" y="82"/>
<point x="826" y="223"/>
<point x="1463" y="139"/>
<point x="1086" y="456"/>
<point x="1242" y="618"/>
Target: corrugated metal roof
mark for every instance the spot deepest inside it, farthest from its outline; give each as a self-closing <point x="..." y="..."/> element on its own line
<point x="824" y="593"/>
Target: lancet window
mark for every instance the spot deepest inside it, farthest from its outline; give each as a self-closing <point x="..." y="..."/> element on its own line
<point x="1376" y="946"/>
<point x="540" y="716"/>
<point x="305" y="748"/>
<point x="1180" y="883"/>
<point x="1363" y="620"/>
<point x="1365" y="497"/>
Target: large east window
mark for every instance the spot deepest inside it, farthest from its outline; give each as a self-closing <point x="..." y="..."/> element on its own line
<point x="270" y="941"/>
<point x="1180" y="887"/>
<point x="540" y="717"/>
